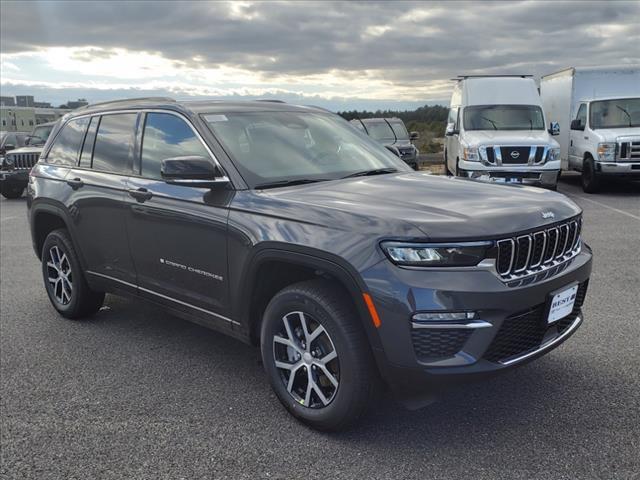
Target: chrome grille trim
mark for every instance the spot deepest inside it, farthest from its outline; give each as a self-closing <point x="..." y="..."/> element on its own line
<point x="559" y="244"/>
<point x="23" y="161"/>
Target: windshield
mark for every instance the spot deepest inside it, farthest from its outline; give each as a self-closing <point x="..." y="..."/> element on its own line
<point x="503" y="117"/>
<point x="399" y="129"/>
<point x="289" y="146"/>
<point x="39" y="135"/>
<point x="621" y="113"/>
<point x="380" y="130"/>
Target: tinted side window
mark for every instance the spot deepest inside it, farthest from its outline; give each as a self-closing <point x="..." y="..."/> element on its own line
<point x="66" y="146"/>
<point x="87" y="148"/>
<point x="582" y="115"/>
<point x="167" y="136"/>
<point x="113" y="150"/>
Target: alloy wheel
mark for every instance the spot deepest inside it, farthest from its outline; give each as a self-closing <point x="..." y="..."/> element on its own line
<point x="60" y="275"/>
<point x="307" y="360"/>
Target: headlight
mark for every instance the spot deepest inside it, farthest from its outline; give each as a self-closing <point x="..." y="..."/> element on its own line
<point x="470" y="154"/>
<point x="553" y="155"/>
<point x="436" y="255"/>
<point x="8" y="160"/>
<point x="607" y="152"/>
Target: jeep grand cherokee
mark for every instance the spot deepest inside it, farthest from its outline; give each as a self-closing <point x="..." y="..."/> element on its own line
<point x="285" y="227"/>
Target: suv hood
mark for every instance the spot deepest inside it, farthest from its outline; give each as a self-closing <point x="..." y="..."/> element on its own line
<point x="435" y="207"/>
<point x="26" y="150"/>
<point x="508" y="137"/>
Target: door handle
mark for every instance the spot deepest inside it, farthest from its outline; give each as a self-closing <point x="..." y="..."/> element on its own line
<point x="75" y="183"/>
<point x="141" y="194"/>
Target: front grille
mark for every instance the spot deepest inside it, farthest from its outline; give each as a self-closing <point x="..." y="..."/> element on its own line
<point x="430" y="344"/>
<point x="23" y="160"/>
<point x="515" y="155"/>
<point x="525" y="331"/>
<point x="527" y="254"/>
<point x="629" y="150"/>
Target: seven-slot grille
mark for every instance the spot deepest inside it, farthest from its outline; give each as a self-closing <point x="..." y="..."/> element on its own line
<point x="23" y="160"/>
<point x="526" y="254"/>
<point x="629" y="151"/>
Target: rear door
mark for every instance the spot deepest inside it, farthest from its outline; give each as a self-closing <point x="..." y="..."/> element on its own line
<point x="178" y="234"/>
<point x="97" y="187"/>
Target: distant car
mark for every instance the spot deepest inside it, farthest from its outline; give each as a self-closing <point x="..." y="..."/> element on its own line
<point x="11" y="140"/>
<point x="17" y="162"/>
<point x="392" y="133"/>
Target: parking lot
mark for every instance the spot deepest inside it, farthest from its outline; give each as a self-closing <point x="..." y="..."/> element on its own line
<point x="136" y="393"/>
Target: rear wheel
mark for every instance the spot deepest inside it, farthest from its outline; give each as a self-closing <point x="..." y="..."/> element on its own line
<point x="12" y="192"/>
<point x="590" y="180"/>
<point x="317" y="356"/>
<point x="64" y="280"/>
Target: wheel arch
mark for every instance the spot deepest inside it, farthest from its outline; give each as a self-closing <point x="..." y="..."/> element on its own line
<point x="46" y="217"/>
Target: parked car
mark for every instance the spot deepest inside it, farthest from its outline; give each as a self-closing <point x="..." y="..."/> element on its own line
<point x="391" y="133"/>
<point x="496" y="132"/>
<point x="284" y="227"/>
<point x="17" y="163"/>
<point x="10" y="141"/>
<point x="598" y="109"/>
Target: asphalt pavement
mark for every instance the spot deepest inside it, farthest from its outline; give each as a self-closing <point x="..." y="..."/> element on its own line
<point x="137" y="393"/>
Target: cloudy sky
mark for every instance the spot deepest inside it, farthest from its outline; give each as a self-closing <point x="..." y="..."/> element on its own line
<point x="338" y="55"/>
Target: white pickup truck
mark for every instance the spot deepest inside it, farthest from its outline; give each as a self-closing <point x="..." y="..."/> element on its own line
<point x="497" y="132"/>
<point x="598" y="110"/>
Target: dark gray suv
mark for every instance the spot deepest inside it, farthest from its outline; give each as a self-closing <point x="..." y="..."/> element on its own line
<point x="285" y="227"/>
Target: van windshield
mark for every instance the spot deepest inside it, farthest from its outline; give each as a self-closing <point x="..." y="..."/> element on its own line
<point x="503" y="117"/>
<point x="621" y="113"/>
<point x="291" y="146"/>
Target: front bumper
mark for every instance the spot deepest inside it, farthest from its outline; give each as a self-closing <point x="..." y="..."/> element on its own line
<point x="13" y="179"/>
<point x="623" y="169"/>
<point x="548" y="178"/>
<point x="509" y="329"/>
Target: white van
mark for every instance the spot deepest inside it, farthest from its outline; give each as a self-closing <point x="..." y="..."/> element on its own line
<point x="598" y="109"/>
<point x="496" y="131"/>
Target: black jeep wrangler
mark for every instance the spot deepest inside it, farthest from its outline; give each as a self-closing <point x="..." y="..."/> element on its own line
<point x="285" y="227"/>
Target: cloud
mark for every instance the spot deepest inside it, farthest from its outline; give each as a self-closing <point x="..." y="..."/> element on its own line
<point x="378" y="50"/>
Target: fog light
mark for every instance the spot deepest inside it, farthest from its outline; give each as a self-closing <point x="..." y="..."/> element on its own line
<point x="443" y="316"/>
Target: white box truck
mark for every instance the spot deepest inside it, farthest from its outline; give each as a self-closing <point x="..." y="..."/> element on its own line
<point x="497" y="132"/>
<point x="598" y="110"/>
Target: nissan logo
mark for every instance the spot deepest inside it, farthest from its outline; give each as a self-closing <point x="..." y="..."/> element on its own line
<point x="515" y="154"/>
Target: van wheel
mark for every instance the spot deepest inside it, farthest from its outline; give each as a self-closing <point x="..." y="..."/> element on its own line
<point x="64" y="280"/>
<point x="317" y="356"/>
<point x="590" y="180"/>
<point x="457" y="167"/>
<point x="446" y="165"/>
<point x="12" y="193"/>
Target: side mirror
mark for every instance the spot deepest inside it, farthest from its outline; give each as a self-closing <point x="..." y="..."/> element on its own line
<point x="554" y="128"/>
<point x="451" y="130"/>
<point x="414" y="136"/>
<point x="576" y="125"/>
<point x="192" y="171"/>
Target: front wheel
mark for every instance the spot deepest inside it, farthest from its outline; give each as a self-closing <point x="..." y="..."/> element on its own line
<point x="590" y="180"/>
<point x="64" y="280"/>
<point x="317" y="356"/>
<point x="11" y="193"/>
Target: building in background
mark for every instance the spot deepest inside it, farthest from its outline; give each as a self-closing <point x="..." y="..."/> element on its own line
<point x="7" y="102"/>
<point x="42" y="104"/>
<point x="17" y="119"/>
<point x="25" y="101"/>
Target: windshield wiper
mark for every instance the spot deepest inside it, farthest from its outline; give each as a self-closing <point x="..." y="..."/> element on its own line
<point x="626" y="113"/>
<point x="289" y="183"/>
<point x="376" y="171"/>
<point x="491" y="122"/>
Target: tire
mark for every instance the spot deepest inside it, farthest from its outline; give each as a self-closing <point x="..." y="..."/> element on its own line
<point x="355" y="382"/>
<point x="12" y="193"/>
<point x="457" y="167"/>
<point x="446" y="166"/>
<point x="69" y="294"/>
<point x="589" y="177"/>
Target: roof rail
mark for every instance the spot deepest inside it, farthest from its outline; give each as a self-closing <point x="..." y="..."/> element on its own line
<point x="462" y="77"/>
<point x="270" y="100"/>
<point x="125" y="100"/>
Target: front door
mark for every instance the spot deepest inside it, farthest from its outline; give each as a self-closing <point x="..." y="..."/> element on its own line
<point x="177" y="233"/>
<point x="578" y="138"/>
